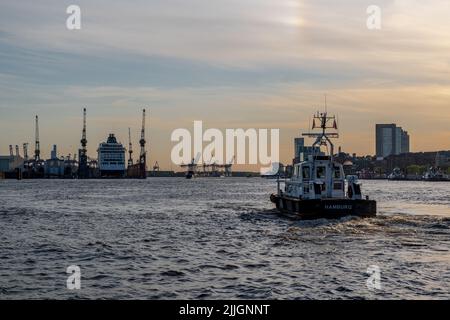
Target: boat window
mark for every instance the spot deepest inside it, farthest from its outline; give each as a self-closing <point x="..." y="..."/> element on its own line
<point x="305" y="173"/>
<point x="337" y="173"/>
<point x="317" y="188"/>
<point x="337" y="186"/>
<point x="321" y="172"/>
<point x="306" y="189"/>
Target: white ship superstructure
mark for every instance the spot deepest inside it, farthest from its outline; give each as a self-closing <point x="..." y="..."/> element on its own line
<point x="111" y="158"/>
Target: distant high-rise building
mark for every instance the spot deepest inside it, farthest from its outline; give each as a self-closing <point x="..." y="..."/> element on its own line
<point x="443" y="159"/>
<point x="54" y="153"/>
<point x="299" y="144"/>
<point x="391" y="139"/>
<point x="302" y="152"/>
<point x="405" y="142"/>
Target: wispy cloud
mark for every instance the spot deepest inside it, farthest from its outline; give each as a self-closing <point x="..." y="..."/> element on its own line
<point x="262" y="63"/>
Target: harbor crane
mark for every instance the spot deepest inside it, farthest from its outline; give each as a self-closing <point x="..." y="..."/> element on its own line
<point x="210" y="169"/>
<point x="192" y="167"/>
<point x="37" y="149"/>
<point x="156" y="167"/>
<point x="25" y="151"/>
<point x="34" y="168"/>
<point x="138" y="170"/>
<point x="227" y="167"/>
<point x="130" y="149"/>
<point x="83" y="169"/>
<point x="143" y="155"/>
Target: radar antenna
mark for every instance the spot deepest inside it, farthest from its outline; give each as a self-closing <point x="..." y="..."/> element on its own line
<point x="323" y="138"/>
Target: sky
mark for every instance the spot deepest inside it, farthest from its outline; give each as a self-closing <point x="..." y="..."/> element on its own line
<point x="230" y="63"/>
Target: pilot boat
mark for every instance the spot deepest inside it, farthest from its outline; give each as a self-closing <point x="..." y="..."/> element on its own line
<point x="318" y="187"/>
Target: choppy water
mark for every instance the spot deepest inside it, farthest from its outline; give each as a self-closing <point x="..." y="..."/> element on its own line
<point x="216" y="238"/>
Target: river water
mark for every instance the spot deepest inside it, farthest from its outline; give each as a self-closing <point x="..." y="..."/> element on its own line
<point x="212" y="238"/>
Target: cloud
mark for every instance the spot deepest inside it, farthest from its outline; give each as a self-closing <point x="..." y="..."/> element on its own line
<point x="222" y="32"/>
<point x="262" y="63"/>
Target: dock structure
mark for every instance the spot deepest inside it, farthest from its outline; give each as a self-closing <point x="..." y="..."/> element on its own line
<point x="11" y="166"/>
<point x="34" y="168"/>
<point x="213" y="169"/>
<point x="79" y="165"/>
<point x="158" y="173"/>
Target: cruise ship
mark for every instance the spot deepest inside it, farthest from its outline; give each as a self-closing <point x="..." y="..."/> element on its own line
<point x="111" y="158"/>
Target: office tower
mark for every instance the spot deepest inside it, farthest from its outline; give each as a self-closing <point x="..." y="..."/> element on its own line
<point x="390" y="140"/>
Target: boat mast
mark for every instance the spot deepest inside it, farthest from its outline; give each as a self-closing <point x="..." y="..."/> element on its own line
<point x="324" y="139"/>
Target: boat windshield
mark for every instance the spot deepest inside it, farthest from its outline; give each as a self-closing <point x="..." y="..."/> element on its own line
<point x="321" y="172"/>
<point x="337" y="173"/>
<point x="305" y="173"/>
<point x="296" y="171"/>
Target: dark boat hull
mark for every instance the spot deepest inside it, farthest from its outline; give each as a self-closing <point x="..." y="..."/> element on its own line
<point x="324" y="208"/>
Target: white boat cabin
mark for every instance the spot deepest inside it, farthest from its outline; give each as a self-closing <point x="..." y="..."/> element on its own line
<point x="320" y="178"/>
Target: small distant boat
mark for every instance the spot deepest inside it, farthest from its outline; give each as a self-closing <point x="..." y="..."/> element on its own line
<point x="396" y="175"/>
<point x="189" y="175"/>
<point x="318" y="188"/>
<point x="435" y="174"/>
<point x="190" y="172"/>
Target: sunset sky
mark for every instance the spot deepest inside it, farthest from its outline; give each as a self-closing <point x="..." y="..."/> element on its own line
<point x="230" y="63"/>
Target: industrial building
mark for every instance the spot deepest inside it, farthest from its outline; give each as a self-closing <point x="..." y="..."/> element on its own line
<point x="54" y="167"/>
<point x="443" y="159"/>
<point x="391" y="140"/>
<point x="10" y="164"/>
